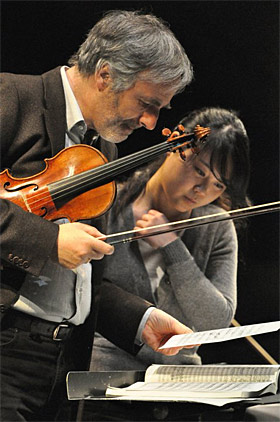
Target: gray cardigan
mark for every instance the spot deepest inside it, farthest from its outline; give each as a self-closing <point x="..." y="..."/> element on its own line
<point x="198" y="287"/>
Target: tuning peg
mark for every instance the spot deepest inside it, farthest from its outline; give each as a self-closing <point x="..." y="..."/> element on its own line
<point x="181" y="128"/>
<point x="166" y="131"/>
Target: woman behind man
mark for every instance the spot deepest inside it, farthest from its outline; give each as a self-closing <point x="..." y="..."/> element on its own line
<point x="190" y="274"/>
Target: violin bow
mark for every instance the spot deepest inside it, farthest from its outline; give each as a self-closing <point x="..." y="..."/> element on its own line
<point x="135" y="234"/>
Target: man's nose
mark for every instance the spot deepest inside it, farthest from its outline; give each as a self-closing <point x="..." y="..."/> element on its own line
<point x="148" y="120"/>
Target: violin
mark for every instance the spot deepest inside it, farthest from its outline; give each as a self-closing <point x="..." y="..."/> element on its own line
<point x="78" y="182"/>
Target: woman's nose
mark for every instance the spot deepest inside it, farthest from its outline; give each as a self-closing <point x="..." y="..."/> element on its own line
<point x="199" y="188"/>
<point x="148" y="120"/>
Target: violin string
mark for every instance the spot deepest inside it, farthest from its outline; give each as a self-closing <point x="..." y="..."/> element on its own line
<point x="86" y="180"/>
<point x="166" y="145"/>
<point x="118" y="166"/>
<point x="131" y="159"/>
<point x="191" y="222"/>
<point x="115" y="167"/>
<point x="108" y="170"/>
<point x="67" y="179"/>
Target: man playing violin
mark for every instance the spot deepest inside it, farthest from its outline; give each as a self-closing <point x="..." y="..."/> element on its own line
<point x="118" y="81"/>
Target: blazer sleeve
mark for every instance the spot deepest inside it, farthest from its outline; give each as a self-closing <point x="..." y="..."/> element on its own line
<point x="27" y="241"/>
<point x="119" y="316"/>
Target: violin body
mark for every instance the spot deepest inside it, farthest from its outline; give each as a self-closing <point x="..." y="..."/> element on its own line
<point x="33" y="194"/>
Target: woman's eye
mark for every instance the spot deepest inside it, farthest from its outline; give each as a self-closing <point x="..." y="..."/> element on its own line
<point x="219" y="185"/>
<point x="199" y="171"/>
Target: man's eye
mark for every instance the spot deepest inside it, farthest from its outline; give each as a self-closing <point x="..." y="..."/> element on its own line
<point x="143" y="104"/>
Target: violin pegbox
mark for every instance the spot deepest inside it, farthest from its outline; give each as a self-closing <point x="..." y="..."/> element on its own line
<point x="191" y="139"/>
<point x="200" y="136"/>
<point x="178" y="132"/>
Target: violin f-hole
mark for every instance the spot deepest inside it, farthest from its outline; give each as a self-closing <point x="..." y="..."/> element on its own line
<point x="17" y="188"/>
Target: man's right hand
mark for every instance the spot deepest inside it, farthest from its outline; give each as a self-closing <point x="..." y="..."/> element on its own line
<point x="78" y="244"/>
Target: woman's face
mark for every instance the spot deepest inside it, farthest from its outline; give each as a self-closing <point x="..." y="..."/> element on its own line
<point x="188" y="184"/>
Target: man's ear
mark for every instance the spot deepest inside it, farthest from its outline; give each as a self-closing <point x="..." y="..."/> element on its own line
<point x="103" y="78"/>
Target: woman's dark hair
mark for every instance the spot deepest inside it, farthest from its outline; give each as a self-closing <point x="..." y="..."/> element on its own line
<point x="228" y="146"/>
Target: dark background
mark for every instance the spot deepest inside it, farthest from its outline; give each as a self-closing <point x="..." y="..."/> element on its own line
<point x="234" y="49"/>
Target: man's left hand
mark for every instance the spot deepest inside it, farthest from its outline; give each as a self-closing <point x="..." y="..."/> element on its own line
<point x="159" y="328"/>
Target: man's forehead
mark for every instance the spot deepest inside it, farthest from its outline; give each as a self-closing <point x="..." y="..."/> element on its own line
<point x="157" y="102"/>
<point x="155" y="94"/>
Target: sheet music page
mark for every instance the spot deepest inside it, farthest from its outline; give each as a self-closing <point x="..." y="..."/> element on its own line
<point x="212" y="373"/>
<point x="225" y="388"/>
<point x="189" y="390"/>
<point x="223" y="334"/>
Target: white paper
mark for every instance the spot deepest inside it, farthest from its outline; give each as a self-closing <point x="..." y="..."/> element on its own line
<point x="223" y="334"/>
<point x="190" y="389"/>
<point x="214" y="402"/>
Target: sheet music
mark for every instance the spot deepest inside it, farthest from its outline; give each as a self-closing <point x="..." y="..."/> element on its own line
<point x="223" y="334"/>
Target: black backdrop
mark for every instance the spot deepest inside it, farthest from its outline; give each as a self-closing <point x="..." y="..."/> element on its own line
<point x="234" y="48"/>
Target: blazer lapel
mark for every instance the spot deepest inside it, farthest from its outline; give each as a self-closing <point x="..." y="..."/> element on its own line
<point x="55" y="109"/>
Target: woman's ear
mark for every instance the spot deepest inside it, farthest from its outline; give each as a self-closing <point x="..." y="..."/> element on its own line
<point x="103" y="78"/>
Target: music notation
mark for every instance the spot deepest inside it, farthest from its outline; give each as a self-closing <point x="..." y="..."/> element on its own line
<point x="223" y="334"/>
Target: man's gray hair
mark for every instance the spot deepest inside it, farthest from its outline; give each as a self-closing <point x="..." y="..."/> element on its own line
<point x="131" y="42"/>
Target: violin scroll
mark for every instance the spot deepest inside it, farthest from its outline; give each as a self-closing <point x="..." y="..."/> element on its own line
<point x="201" y="132"/>
<point x="200" y="135"/>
